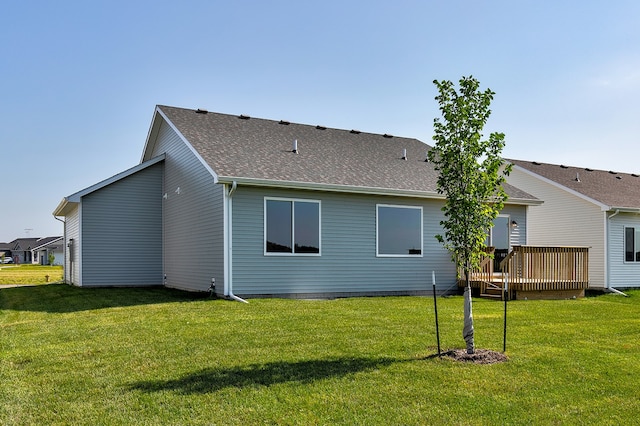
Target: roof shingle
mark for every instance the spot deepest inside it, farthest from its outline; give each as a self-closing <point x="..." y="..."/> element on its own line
<point x="613" y="189"/>
<point x="259" y="149"/>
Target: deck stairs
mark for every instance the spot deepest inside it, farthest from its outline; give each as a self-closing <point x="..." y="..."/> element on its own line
<point x="493" y="288"/>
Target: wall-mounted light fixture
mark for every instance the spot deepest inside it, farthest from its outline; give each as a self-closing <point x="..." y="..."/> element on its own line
<point x="514" y="224"/>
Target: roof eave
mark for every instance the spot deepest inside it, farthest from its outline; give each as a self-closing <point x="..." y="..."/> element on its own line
<point x="524" y="202"/>
<point x="622" y="209"/>
<point x="65" y="206"/>
<point x="329" y="187"/>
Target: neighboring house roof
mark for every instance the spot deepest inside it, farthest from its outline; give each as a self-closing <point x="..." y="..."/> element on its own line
<point x="258" y="151"/>
<point x="23" y="244"/>
<point x="610" y="189"/>
<point x="49" y="242"/>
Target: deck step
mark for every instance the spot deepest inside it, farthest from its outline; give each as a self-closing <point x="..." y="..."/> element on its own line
<point x="491" y="296"/>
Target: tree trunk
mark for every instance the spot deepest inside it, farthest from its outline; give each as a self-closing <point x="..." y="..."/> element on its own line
<point x="467" y="331"/>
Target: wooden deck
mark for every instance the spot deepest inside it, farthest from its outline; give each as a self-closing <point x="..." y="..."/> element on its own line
<point x="534" y="272"/>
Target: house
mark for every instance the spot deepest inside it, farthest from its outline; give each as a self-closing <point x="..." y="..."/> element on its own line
<point x="249" y="207"/>
<point x="34" y="250"/>
<point x="5" y="250"/>
<point x="586" y="207"/>
<point x="48" y="246"/>
<point x="21" y="249"/>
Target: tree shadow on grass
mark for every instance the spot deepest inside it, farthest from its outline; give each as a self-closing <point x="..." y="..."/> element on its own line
<point x="264" y="375"/>
<point x="63" y="298"/>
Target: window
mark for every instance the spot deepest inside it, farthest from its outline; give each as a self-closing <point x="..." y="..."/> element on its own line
<point x="631" y="245"/>
<point x="399" y="230"/>
<point x="292" y="226"/>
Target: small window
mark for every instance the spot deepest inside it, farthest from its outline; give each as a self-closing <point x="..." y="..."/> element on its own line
<point x="631" y="244"/>
<point x="399" y="230"/>
<point x="292" y="227"/>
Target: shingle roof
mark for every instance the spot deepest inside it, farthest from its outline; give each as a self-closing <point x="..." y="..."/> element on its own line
<point x="610" y="188"/>
<point x="251" y="148"/>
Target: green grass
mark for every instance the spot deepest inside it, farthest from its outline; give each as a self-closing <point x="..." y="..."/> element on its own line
<point x="29" y="274"/>
<point x="156" y="356"/>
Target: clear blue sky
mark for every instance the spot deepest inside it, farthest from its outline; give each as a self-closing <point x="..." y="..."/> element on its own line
<point x="79" y="79"/>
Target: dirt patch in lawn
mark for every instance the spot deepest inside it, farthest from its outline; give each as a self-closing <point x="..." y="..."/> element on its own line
<point x="481" y="356"/>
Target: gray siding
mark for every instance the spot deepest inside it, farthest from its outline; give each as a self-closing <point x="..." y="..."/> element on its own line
<point x="518" y="234"/>
<point x="72" y="264"/>
<point x="122" y="231"/>
<point x="622" y="274"/>
<point x="193" y="217"/>
<point x="348" y="263"/>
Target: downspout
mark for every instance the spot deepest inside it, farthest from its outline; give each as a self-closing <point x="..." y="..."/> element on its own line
<point x="608" y="288"/>
<point x="230" y="295"/>
<point x="64" y="244"/>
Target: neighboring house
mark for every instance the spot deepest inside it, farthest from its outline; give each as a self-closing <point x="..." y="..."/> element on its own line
<point x="32" y="250"/>
<point x="267" y="208"/>
<point x="586" y="207"/>
<point x="21" y="249"/>
<point x="5" y="250"/>
<point x="46" y="246"/>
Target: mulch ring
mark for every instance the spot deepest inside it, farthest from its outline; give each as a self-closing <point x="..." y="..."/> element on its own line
<point x="481" y="356"/>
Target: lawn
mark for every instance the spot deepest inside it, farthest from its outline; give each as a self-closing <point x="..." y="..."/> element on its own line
<point x="29" y="274"/>
<point x="157" y="356"/>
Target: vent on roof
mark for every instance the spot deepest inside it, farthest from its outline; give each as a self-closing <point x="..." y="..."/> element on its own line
<point x="577" y="179"/>
<point x="386" y="135"/>
<point x="295" y="146"/>
<point x="286" y="123"/>
<point x="612" y="172"/>
<point x="563" y="166"/>
<point x="618" y="177"/>
<point x="426" y="160"/>
<point x="201" y="111"/>
<point x="588" y="169"/>
<point x="319" y="127"/>
<point x="634" y="175"/>
<point x="535" y="163"/>
<point x="404" y="153"/>
<point x="355" y="132"/>
<point x="243" y="117"/>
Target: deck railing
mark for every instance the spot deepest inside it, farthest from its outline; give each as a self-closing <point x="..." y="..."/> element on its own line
<point x="533" y="268"/>
<point x="484" y="274"/>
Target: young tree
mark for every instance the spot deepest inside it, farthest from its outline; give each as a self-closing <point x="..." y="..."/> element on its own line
<point x="469" y="176"/>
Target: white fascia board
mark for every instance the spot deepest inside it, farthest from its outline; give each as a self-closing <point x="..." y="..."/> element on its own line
<point x="602" y="206"/>
<point x="350" y="189"/>
<point x="46" y="244"/>
<point x="75" y="198"/>
<point x="153" y="133"/>
<point x="62" y="208"/>
<point x="524" y="202"/>
<point x="623" y="209"/>
<point x="328" y="187"/>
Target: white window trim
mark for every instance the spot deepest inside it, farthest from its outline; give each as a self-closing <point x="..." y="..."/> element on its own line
<point x="378" y="254"/>
<point x="293" y="226"/>
<point x="636" y="230"/>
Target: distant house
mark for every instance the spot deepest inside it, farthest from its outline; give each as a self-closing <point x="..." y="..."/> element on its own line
<point x="48" y="246"/>
<point x="5" y="250"/>
<point x="21" y="249"/>
<point x="586" y="207"/>
<point x="251" y="208"/>
<point x="34" y="250"/>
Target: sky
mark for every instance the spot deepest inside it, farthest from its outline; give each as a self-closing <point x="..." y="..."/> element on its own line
<point x="79" y="80"/>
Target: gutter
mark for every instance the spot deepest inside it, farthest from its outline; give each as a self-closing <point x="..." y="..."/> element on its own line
<point x="229" y="286"/>
<point x="64" y="244"/>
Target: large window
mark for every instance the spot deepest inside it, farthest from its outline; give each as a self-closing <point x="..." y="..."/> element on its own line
<point x="632" y="245"/>
<point x="291" y="226"/>
<point x="399" y="230"/>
